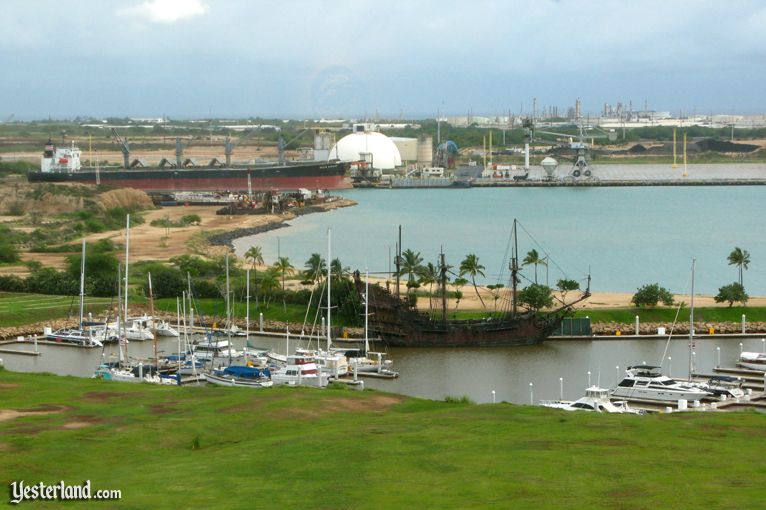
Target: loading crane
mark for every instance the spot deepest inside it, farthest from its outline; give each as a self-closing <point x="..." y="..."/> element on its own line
<point x="581" y="165"/>
<point x="124" y="147"/>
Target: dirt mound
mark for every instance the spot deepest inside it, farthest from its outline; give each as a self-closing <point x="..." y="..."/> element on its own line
<point x="127" y="198"/>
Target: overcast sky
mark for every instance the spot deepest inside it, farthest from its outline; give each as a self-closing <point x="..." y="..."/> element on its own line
<point x="197" y="58"/>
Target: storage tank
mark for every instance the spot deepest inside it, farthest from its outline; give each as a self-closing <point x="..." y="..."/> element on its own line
<point x="425" y="151"/>
<point x="408" y="148"/>
<point x="322" y="143"/>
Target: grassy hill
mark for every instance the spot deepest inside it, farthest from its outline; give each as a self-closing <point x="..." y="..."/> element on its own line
<point x="217" y="447"/>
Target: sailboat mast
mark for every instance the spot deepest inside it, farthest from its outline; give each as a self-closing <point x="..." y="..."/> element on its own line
<point x="119" y="314"/>
<point x="514" y="266"/>
<point x="178" y="328"/>
<point x="82" y="283"/>
<point x="329" y="285"/>
<point x="398" y="260"/>
<point x="154" y="319"/>
<point x="191" y="308"/>
<point x="228" y="306"/>
<point x="366" y="310"/>
<point x="247" y="305"/>
<point x="691" y="324"/>
<point x="127" y="252"/>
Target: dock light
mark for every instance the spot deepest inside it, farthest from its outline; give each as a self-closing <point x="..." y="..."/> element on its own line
<point x="740" y="348"/>
<point x="718" y="354"/>
<point x="588" y="378"/>
<point x="561" y="388"/>
<point x="531" y="394"/>
<point x="493" y="396"/>
<point x="670" y="366"/>
<point x="763" y="341"/>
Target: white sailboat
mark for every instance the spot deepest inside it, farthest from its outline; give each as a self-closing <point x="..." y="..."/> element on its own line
<point x="79" y="335"/>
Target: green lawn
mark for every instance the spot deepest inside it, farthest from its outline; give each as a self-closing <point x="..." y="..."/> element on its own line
<point x="295" y="448"/>
<point x="17" y="309"/>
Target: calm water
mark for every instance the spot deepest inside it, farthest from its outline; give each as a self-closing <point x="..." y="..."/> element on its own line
<point x="627" y="236"/>
<point x="437" y="373"/>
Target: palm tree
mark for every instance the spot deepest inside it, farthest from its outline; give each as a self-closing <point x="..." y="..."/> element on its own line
<point x="269" y="283"/>
<point x="338" y="271"/>
<point x="283" y="267"/>
<point x="470" y="266"/>
<point x="458" y="284"/>
<point x="411" y="265"/>
<point x="534" y="258"/>
<point x="740" y="258"/>
<point x="315" y="268"/>
<point x="429" y="274"/>
<point x="255" y="254"/>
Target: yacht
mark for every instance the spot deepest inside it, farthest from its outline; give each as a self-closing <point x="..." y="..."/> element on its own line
<point x="300" y="371"/>
<point x="753" y="360"/>
<point x="208" y="349"/>
<point x="77" y="336"/>
<point x="595" y="400"/>
<point x="332" y="363"/>
<point x="647" y="382"/>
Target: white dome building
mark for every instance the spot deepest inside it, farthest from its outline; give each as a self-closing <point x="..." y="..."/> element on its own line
<point x="382" y="151"/>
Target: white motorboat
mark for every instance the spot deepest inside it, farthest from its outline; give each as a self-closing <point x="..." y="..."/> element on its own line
<point x="160" y="326"/>
<point x="595" y="400"/>
<point x="753" y="360"/>
<point x="300" y="371"/>
<point x="83" y="337"/>
<point x="208" y="349"/>
<point x="368" y="362"/>
<point x="722" y="385"/>
<point x="332" y="363"/>
<point x="647" y="382"/>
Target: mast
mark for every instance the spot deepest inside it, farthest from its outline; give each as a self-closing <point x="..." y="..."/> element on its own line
<point x="247" y="308"/>
<point x="82" y="283"/>
<point x="443" y="283"/>
<point x="154" y="319"/>
<point x="178" y="328"/>
<point x="191" y="308"/>
<point x="127" y="252"/>
<point x="329" y="285"/>
<point x="228" y="306"/>
<point x="514" y="266"/>
<point x="398" y="260"/>
<point x="366" y="310"/>
<point x="119" y="315"/>
<point x="691" y="323"/>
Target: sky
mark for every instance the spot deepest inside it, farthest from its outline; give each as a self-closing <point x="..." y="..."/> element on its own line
<point x="368" y="58"/>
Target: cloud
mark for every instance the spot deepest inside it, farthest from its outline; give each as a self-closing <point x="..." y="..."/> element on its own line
<point x="164" y="11"/>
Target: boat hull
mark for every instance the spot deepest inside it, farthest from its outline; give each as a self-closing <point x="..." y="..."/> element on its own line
<point x="320" y="175"/>
<point x="237" y="381"/>
<point x="398" y="325"/>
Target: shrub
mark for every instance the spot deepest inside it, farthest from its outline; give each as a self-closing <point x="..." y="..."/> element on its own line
<point x="732" y="293"/>
<point x="166" y="282"/>
<point x="205" y="289"/>
<point x="536" y="296"/>
<point x="8" y="251"/>
<point x="651" y="294"/>
<point x="50" y="281"/>
<point x="12" y="283"/>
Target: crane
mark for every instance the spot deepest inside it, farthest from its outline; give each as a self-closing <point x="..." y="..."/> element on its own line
<point x="124" y="147"/>
<point x="581" y="165"/>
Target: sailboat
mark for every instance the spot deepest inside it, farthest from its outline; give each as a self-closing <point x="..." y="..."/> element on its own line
<point x="398" y="322"/>
<point x="79" y="336"/>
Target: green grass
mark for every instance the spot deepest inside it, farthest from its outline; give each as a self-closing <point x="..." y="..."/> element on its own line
<point x="17" y="309"/>
<point x="663" y="314"/>
<point x="292" y="448"/>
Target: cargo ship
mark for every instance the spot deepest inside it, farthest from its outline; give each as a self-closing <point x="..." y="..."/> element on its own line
<point x="62" y="165"/>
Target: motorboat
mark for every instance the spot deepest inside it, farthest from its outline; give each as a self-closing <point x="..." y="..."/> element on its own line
<point x="647" y="382"/>
<point x="722" y="386"/>
<point x="753" y="360"/>
<point x="77" y="336"/>
<point x="332" y="363"/>
<point x="595" y="400"/>
<point x="208" y="349"/>
<point x="134" y="374"/>
<point x="300" y="371"/>
<point x="363" y="362"/>
<point x="238" y="375"/>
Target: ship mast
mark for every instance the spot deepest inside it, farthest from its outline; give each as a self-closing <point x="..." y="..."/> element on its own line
<point x="514" y="266"/>
<point x="443" y="283"/>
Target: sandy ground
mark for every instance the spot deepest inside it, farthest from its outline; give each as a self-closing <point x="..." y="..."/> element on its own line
<point x="598" y="300"/>
<point x="150" y="243"/>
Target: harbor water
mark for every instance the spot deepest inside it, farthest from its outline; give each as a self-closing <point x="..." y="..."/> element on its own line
<point x="628" y="237"/>
<point x="475" y="373"/>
